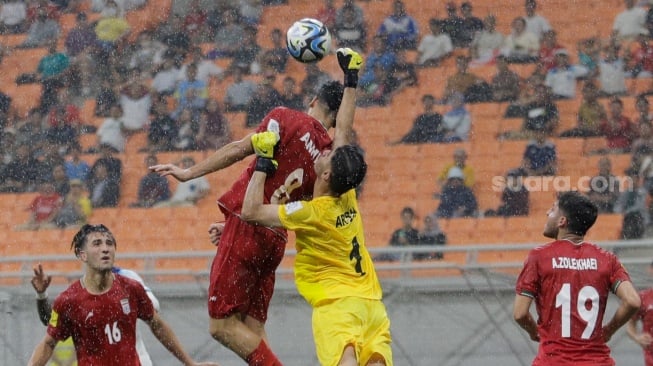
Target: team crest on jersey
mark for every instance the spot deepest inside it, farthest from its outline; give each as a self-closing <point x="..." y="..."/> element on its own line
<point x="125" y="306"/>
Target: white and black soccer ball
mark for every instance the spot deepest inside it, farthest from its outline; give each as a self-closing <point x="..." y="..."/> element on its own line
<point x="308" y="40"/>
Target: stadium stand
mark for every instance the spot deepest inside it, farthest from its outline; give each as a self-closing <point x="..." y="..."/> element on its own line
<point x="398" y="175"/>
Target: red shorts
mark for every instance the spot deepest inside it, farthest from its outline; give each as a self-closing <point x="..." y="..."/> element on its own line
<point x="242" y="273"/>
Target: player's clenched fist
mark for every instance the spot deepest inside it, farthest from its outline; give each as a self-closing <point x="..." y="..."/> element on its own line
<point x="350" y="62"/>
<point x="263" y="144"/>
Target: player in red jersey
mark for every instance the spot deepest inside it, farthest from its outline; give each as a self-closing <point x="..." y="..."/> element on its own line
<point x="570" y="280"/>
<point x="644" y="338"/>
<point x="242" y="273"/>
<point x="100" y="310"/>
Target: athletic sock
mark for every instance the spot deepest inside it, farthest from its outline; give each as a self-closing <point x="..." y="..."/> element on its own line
<point x="263" y="356"/>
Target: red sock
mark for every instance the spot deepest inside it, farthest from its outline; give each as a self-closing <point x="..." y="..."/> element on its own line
<point x="263" y="356"/>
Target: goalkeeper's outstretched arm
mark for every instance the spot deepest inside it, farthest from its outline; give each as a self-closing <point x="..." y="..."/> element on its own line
<point x="350" y="62"/>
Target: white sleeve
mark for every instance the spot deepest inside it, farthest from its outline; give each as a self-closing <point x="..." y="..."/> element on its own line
<point x="134" y="276"/>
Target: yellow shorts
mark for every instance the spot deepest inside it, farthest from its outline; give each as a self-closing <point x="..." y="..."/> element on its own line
<point x="362" y="323"/>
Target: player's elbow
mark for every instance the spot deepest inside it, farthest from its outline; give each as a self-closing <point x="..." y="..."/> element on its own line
<point x="633" y="302"/>
<point x="521" y="314"/>
<point x="248" y="213"/>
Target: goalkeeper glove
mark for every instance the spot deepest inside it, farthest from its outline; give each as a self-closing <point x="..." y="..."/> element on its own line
<point x="266" y="165"/>
<point x="350" y="62"/>
<point x="263" y="144"/>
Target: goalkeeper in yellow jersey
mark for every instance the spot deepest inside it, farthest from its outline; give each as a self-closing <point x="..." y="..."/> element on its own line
<point x="333" y="269"/>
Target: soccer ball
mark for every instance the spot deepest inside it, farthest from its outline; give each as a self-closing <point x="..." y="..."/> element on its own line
<point x="308" y="40"/>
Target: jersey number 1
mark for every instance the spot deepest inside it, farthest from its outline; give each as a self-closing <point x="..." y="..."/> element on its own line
<point x="586" y="294"/>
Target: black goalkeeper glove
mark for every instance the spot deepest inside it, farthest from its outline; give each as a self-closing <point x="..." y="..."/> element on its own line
<point x="350" y="62"/>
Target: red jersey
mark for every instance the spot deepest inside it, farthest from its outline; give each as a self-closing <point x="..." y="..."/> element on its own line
<point x="645" y="314"/>
<point x="619" y="136"/>
<point x="302" y="140"/>
<point x="44" y="206"/>
<point x="570" y="284"/>
<point x="103" y="326"/>
<point x="643" y="56"/>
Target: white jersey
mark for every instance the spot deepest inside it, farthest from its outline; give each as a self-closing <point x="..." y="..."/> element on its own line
<point x="143" y="356"/>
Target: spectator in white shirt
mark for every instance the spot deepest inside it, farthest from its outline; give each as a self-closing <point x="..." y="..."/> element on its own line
<point x="190" y="192"/>
<point x="521" y="45"/>
<point x="206" y="69"/>
<point x="487" y="43"/>
<point x="434" y="47"/>
<point x="629" y="23"/>
<point x="239" y="92"/>
<point x="165" y="80"/>
<point x="111" y="131"/>
<point x="457" y="122"/>
<point x="148" y="53"/>
<point x="136" y="100"/>
<point x="535" y="23"/>
<point x="612" y="72"/>
<point x="12" y="17"/>
<point x="562" y="78"/>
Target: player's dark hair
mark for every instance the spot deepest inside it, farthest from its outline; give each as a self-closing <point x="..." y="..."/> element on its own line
<point x="579" y="210"/>
<point x="348" y="169"/>
<point x="80" y="238"/>
<point x="331" y="95"/>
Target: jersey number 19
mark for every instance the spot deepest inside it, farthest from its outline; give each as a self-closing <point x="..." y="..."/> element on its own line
<point x="587" y="296"/>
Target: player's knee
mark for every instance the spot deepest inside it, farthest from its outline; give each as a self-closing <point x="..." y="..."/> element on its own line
<point x="376" y="360"/>
<point x="219" y="329"/>
<point x="348" y="357"/>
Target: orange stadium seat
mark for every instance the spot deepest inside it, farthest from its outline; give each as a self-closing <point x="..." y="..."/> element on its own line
<point x="606" y="227"/>
<point x="489" y="230"/>
<point x="594" y="145"/>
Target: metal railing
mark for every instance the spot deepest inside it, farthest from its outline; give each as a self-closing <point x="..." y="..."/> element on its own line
<point x="404" y="268"/>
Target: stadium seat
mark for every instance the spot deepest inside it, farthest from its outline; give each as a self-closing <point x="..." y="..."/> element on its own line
<point x="594" y="145"/>
<point x="489" y="230"/>
<point x="606" y="227"/>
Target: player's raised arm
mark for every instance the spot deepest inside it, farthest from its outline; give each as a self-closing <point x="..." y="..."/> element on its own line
<point x="41" y="282"/>
<point x="254" y="209"/>
<point x="222" y="158"/>
<point x="350" y="62"/>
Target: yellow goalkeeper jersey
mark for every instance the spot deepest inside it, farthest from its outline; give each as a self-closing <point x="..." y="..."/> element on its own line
<point x="332" y="261"/>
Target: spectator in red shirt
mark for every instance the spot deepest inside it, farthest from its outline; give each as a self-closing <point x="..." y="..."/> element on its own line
<point x="639" y="61"/>
<point x="195" y="22"/>
<point x="72" y="114"/>
<point x="618" y="130"/>
<point x="548" y="47"/>
<point x="43" y="209"/>
<point x="33" y="8"/>
<point x="327" y="14"/>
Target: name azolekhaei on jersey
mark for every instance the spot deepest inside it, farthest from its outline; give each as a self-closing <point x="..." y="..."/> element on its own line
<point x="579" y="264"/>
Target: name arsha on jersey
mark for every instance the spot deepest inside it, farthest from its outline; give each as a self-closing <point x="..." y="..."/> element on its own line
<point x="346" y="218"/>
<point x="310" y="146"/>
<point x="579" y="264"/>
